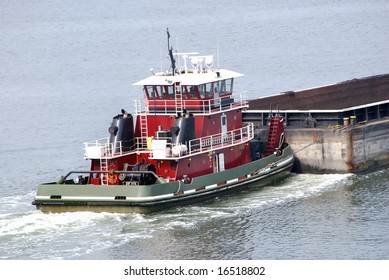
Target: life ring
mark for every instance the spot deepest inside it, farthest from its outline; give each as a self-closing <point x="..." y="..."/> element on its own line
<point x="113" y="178"/>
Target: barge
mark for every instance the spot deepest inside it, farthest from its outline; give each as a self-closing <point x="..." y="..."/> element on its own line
<point x="338" y="128"/>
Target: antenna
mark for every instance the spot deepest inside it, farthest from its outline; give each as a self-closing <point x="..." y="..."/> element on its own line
<point x="217" y="54"/>
<point x="170" y="49"/>
<point x="160" y="57"/>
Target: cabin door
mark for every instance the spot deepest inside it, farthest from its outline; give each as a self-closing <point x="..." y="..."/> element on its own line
<point x="218" y="162"/>
<point x="221" y="162"/>
<point x="215" y="163"/>
<point x="223" y="121"/>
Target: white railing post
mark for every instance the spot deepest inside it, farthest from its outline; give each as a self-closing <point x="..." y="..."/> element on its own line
<point x="136" y="101"/>
<point x="109" y="149"/>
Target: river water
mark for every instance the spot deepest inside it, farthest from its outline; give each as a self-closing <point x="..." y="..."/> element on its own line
<point x="66" y="68"/>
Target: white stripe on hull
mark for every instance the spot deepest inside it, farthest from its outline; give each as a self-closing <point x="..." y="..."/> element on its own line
<point x="234" y="183"/>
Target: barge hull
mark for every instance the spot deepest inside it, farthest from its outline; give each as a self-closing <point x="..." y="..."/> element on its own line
<point x="343" y="149"/>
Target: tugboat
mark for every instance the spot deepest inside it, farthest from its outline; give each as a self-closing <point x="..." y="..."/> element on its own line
<point x="188" y="144"/>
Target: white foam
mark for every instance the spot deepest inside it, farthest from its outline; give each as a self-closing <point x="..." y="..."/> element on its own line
<point x="106" y="230"/>
<point x="36" y="222"/>
<point x="296" y="187"/>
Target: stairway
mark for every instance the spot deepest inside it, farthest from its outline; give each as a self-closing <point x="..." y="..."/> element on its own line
<point x="276" y="130"/>
<point x="143" y="123"/>
<point x="178" y="99"/>
<point x="104" y="167"/>
<point x="143" y="126"/>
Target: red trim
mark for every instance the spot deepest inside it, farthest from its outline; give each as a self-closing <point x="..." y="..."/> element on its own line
<point x="242" y="177"/>
<point x="95" y="181"/>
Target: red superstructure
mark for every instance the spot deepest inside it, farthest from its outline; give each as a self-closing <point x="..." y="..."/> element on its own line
<point x="189" y="125"/>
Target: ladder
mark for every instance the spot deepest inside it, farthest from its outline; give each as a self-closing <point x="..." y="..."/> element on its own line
<point x="104" y="167"/>
<point x="143" y="125"/>
<point x="142" y="122"/>
<point x="178" y="99"/>
<point x="272" y="141"/>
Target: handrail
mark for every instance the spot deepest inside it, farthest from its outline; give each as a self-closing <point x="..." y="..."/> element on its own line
<point x="212" y="142"/>
<point x="103" y="149"/>
<point x="229" y="138"/>
<point x="204" y="106"/>
<point x="108" y="171"/>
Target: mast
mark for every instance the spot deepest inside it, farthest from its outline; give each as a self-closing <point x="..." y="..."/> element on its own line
<point x="170" y="49"/>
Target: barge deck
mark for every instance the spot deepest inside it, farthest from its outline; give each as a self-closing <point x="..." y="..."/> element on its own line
<point x="338" y="128"/>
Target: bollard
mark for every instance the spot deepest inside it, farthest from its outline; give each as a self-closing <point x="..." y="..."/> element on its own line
<point x="352" y="120"/>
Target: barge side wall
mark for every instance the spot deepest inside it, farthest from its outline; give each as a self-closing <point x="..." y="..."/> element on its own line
<point x="347" y="149"/>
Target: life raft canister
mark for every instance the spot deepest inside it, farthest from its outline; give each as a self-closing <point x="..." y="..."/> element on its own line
<point x="113" y="178"/>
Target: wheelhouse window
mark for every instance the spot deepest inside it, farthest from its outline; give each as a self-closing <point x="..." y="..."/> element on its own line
<point x="184" y="92"/>
<point x="151" y="92"/>
<point x="208" y="90"/>
<point x="222" y="87"/>
<point x="159" y="92"/>
<point x="202" y="91"/>
<point x="163" y="92"/>
<point x="229" y="84"/>
<point x="170" y="92"/>
<point x="192" y="92"/>
<point x="216" y="87"/>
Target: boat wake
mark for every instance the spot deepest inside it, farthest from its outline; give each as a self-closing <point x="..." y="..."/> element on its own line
<point x="295" y="187"/>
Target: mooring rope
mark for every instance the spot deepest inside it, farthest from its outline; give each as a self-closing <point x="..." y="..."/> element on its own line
<point x="332" y="130"/>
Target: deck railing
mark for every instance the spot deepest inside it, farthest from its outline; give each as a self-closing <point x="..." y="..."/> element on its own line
<point x="99" y="148"/>
<point x="103" y="149"/>
<point x="221" y="140"/>
<point x="208" y="143"/>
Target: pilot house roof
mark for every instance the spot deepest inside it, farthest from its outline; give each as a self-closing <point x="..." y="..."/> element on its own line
<point x="189" y="77"/>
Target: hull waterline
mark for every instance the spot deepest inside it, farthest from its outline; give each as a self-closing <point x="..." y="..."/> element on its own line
<point x="53" y="197"/>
